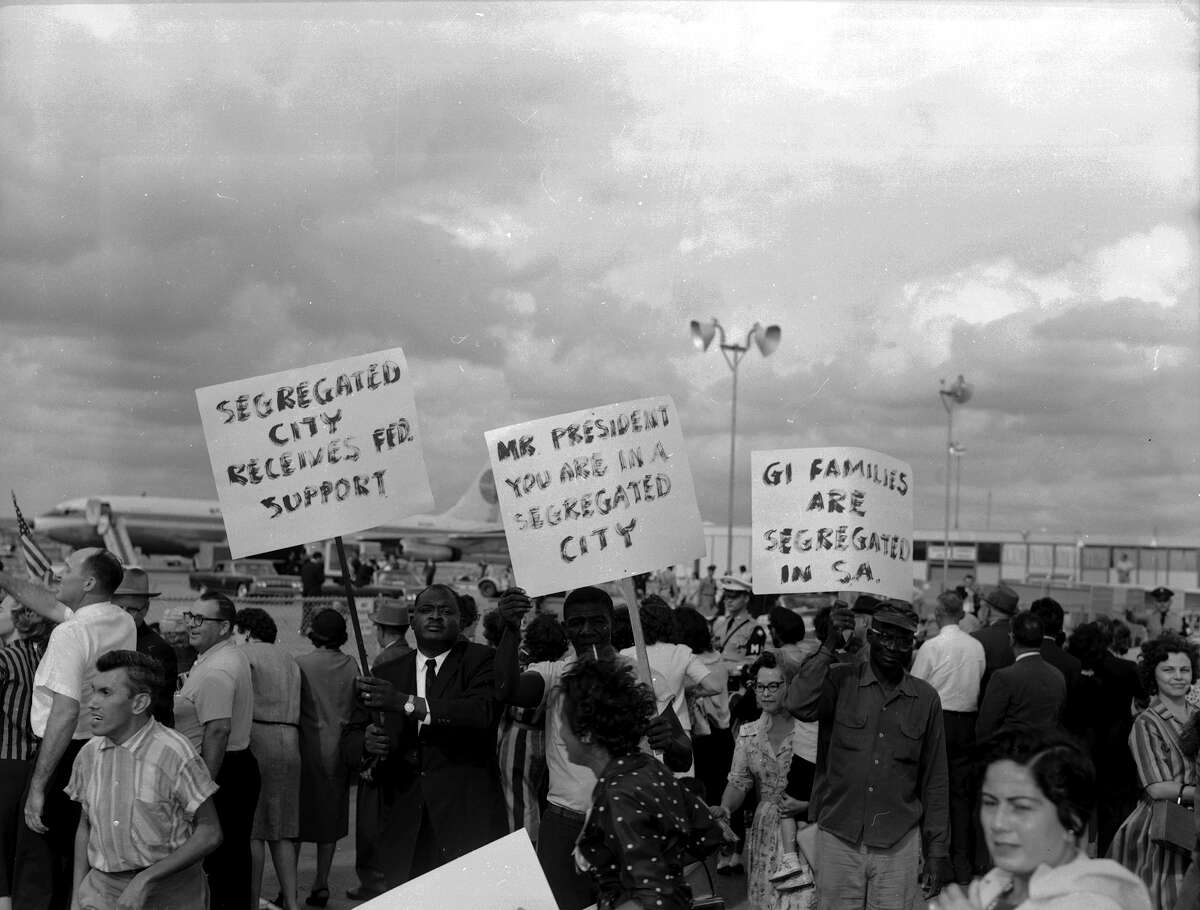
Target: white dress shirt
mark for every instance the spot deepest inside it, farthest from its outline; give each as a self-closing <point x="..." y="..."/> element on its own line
<point x="69" y="664"/>
<point x="952" y="662"/>
<point x="422" y="658"/>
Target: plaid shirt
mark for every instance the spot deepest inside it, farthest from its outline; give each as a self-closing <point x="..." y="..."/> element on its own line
<point x="140" y="797"/>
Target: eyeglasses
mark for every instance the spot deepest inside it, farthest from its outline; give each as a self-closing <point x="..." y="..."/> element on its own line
<point x="195" y="620"/>
<point x="894" y="642"/>
<point x="768" y="687"/>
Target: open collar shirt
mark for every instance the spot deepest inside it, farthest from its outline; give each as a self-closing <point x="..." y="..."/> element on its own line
<point x="882" y="771"/>
<point x="140" y="797"/>
<point x="69" y="664"/>
<point x="953" y="663"/>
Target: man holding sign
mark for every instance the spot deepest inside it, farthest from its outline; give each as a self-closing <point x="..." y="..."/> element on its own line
<point x="881" y="767"/>
<point x="435" y="753"/>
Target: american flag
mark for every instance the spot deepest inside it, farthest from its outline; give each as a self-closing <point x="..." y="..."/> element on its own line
<point x="37" y="563"/>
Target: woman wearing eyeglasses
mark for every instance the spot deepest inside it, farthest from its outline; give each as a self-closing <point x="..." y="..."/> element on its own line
<point x="762" y="759"/>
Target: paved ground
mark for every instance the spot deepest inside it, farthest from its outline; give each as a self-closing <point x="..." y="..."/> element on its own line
<point x="176" y="595"/>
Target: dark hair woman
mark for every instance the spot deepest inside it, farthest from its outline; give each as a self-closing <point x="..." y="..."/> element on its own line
<point x="1167" y="667"/>
<point x="326" y="699"/>
<point x="1038" y="791"/>
<point x="643" y="823"/>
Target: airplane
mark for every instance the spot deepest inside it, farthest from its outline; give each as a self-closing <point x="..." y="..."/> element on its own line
<point x="470" y="530"/>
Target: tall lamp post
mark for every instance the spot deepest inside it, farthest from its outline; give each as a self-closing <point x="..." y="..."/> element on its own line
<point x="767" y="340"/>
<point x="959" y="392"/>
<point x="958" y="451"/>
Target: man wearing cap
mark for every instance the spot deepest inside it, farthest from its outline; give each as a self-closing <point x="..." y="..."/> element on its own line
<point x="736" y="633"/>
<point x="134" y="598"/>
<point x="881" y="780"/>
<point x="1163" y="615"/>
<point x="952" y="662"/>
<point x="391" y="627"/>
<point x="999" y="606"/>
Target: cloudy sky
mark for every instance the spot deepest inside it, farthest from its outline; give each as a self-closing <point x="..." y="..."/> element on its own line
<point x="534" y="199"/>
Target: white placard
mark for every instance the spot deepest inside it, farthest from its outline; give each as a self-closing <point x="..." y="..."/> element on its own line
<point x="504" y="875"/>
<point x="831" y="519"/>
<point x="311" y="453"/>
<point x="596" y="495"/>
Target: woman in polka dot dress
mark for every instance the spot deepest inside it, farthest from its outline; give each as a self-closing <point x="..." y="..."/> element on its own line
<point x="643" y="827"/>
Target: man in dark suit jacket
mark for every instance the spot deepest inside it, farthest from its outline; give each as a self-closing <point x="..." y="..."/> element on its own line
<point x="999" y="605"/>
<point x="1050" y="612"/>
<point x="435" y="750"/>
<point x="1030" y="693"/>
<point x="133" y="596"/>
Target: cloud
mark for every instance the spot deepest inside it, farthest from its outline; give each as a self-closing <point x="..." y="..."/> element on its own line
<point x="533" y="200"/>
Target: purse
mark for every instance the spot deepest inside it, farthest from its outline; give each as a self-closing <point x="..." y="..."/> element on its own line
<point x="1173" y="826"/>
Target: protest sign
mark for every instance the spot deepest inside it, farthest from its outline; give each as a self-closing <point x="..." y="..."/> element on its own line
<point x="831" y="519"/>
<point x="315" y="452"/>
<point x="503" y="875"/>
<point x="596" y="495"/>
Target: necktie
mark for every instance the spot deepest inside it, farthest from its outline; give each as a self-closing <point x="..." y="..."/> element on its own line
<point x="430" y="676"/>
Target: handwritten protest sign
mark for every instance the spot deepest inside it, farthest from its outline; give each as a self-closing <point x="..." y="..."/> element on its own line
<point x="830" y="519"/>
<point x="596" y="495"/>
<point x="311" y="453"/>
<point x="503" y="875"/>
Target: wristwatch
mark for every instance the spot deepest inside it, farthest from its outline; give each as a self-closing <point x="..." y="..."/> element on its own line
<point x="410" y="706"/>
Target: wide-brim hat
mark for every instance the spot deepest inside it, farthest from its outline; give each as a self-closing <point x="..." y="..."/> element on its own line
<point x="1162" y="593"/>
<point x="390" y="613"/>
<point x="1002" y="598"/>
<point x="733" y="583"/>
<point x="136" y="583"/>
<point x="898" y="615"/>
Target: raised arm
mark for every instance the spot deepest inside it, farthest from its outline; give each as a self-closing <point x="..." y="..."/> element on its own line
<point x="525" y="690"/>
<point x="810" y="697"/>
<point x="34" y="596"/>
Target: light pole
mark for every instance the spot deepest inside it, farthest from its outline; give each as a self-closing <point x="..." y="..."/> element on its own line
<point x="957" y="451"/>
<point x="767" y="341"/>
<point x="957" y="393"/>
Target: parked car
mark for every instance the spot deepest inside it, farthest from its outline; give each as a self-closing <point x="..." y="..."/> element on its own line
<point x="246" y="578"/>
<point x="395" y="583"/>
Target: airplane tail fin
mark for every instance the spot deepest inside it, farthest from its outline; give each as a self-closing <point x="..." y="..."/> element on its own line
<point x="478" y="503"/>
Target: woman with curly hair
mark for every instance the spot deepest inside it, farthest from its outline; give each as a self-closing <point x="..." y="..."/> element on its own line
<point x="642" y="823"/>
<point x="1168" y="665"/>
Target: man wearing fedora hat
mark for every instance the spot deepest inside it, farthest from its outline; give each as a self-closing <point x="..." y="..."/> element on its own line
<point x="998" y="608"/>
<point x="133" y="596"/>
<point x="881" y="794"/>
<point x="391" y="628"/>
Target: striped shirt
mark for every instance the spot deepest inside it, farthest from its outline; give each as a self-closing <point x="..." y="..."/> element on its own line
<point x="18" y="661"/>
<point x="140" y="797"/>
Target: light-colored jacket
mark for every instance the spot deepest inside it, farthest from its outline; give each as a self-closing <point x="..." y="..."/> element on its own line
<point x="1082" y="884"/>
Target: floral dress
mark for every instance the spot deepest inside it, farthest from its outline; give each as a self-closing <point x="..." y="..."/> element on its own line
<point x="756" y="764"/>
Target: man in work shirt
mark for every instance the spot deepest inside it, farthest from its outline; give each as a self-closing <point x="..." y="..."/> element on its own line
<point x="881" y="767"/>
<point x="148" y="818"/>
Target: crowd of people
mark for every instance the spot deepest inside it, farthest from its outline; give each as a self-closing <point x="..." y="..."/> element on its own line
<point x="977" y="758"/>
